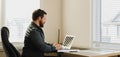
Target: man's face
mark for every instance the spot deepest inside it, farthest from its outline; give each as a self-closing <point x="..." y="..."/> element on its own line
<point x="42" y="21"/>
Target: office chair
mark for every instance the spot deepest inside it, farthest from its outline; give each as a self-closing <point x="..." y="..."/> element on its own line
<point x="9" y="49"/>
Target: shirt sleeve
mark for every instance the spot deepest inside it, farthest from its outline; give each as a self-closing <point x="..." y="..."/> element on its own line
<point x="38" y="41"/>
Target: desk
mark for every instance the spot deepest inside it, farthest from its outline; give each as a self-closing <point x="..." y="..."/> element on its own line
<point x="93" y="53"/>
<point x="82" y="53"/>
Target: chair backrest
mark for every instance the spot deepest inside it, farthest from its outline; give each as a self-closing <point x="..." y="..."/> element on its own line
<point x="9" y="49"/>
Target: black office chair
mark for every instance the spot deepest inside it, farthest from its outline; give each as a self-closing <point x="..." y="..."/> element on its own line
<point x="9" y="49"/>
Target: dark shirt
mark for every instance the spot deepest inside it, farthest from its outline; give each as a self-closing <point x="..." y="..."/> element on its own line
<point x="34" y="45"/>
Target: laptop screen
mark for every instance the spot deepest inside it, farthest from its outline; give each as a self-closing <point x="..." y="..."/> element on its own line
<point x="68" y="40"/>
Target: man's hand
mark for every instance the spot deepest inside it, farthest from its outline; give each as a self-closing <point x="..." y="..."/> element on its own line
<point x="57" y="46"/>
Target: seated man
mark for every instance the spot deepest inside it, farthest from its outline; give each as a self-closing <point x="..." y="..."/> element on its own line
<point x="34" y="45"/>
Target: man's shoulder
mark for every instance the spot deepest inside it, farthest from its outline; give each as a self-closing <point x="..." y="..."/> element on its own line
<point x="31" y="29"/>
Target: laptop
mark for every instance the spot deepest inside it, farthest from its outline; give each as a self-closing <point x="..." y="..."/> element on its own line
<point x="67" y="43"/>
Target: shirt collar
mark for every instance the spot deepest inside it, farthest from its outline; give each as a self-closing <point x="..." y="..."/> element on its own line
<point x="35" y="25"/>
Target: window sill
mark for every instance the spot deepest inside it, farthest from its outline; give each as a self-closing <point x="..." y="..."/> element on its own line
<point x="111" y="46"/>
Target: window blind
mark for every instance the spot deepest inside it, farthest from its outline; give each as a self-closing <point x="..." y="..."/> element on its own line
<point x="110" y="21"/>
<point x="18" y="16"/>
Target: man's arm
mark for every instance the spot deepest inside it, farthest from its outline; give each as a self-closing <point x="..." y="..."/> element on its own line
<point x="48" y="43"/>
<point x="38" y="42"/>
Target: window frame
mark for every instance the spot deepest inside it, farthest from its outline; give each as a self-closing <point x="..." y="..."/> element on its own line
<point x="97" y="41"/>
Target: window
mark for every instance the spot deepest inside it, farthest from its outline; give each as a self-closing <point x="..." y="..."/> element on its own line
<point x="106" y="23"/>
<point x="18" y="16"/>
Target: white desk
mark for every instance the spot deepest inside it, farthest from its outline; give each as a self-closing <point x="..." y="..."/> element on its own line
<point x="95" y="53"/>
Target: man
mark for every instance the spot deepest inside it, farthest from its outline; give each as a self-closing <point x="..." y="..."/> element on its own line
<point x="34" y="45"/>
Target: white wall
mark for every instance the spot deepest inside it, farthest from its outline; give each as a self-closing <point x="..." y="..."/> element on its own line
<point x="77" y="21"/>
<point x="53" y="9"/>
<point x="0" y="12"/>
<point x="0" y="16"/>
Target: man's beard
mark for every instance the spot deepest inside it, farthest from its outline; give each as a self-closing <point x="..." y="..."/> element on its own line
<point x="41" y="24"/>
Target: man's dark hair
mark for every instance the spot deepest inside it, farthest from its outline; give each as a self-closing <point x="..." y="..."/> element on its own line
<point x="38" y="13"/>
